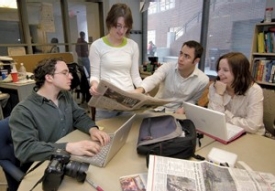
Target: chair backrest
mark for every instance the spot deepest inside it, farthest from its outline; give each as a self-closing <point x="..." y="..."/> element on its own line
<point x="16" y="51"/>
<point x="269" y="111"/>
<point x="9" y="163"/>
<point x="6" y="144"/>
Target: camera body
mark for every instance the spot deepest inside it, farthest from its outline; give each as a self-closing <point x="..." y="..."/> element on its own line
<point x="61" y="165"/>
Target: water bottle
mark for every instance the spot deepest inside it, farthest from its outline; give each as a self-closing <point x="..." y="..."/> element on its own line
<point x="22" y="73"/>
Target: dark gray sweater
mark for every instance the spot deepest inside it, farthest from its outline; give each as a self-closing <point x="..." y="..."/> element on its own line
<point x="37" y="123"/>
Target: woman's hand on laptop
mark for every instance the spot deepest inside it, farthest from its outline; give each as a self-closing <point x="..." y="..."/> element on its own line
<point x="86" y="147"/>
<point x="99" y="136"/>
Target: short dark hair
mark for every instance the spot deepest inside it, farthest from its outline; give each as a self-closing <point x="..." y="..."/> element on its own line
<point x="119" y="10"/>
<point x="54" y="40"/>
<point x="44" y="67"/>
<point x="82" y="34"/>
<point x="240" y="68"/>
<point x="197" y="46"/>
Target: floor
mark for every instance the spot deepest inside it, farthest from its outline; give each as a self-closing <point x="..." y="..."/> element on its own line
<point x="3" y="182"/>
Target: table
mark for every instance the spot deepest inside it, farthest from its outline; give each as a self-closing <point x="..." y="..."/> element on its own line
<point x="23" y="89"/>
<point x="256" y="151"/>
<point x="125" y="162"/>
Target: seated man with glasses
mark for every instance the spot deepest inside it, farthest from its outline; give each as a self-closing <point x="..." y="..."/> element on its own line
<point x="50" y="113"/>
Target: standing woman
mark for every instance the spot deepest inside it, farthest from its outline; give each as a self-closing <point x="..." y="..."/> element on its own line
<point x="115" y="57"/>
<point x="236" y="94"/>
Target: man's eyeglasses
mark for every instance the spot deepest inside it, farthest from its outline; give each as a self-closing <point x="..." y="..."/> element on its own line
<point x="65" y="73"/>
<point x="119" y="27"/>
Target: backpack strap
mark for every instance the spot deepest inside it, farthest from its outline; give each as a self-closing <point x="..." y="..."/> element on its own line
<point x="199" y="137"/>
<point x="199" y="157"/>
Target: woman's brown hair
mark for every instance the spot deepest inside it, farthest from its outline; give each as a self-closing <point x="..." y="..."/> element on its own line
<point x="119" y="10"/>
<point x="240" y="68"/>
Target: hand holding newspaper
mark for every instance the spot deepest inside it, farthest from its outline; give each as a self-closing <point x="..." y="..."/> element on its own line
<point x="113" y="98"/>
<point x="172" y="174"/>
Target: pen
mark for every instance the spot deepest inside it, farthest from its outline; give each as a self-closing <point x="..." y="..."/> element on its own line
<point x="94" y="185"/>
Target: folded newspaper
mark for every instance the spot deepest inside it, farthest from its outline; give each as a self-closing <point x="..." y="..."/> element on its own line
<point x="133" y="182"/>
<point x="113" y="98"/>
<point x="176" y="174"/>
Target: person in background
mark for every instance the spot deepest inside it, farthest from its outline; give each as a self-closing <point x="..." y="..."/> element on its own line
<point x="152" y="48"/>
<point x="54" y="48"/>
<point x="50" y="113"/>
<point x="181" y="81"/>
<point x="82" y="51"/>
<point x="236" y="94"/>
<point x="114" y="57"/>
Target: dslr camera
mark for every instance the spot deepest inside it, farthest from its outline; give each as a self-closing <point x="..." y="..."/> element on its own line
<point x="61" y="165"/>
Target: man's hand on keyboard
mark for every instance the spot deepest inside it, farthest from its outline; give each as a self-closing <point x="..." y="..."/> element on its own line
<point x="86" y="147"/>
<point x="100" y="136"/>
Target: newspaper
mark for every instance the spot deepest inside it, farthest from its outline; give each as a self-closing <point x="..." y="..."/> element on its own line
<point x="113" y="98"/>
<point x="133" y="182"/>
<point x="176" y="174"/>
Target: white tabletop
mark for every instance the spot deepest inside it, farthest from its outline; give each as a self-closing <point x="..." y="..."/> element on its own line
<point x="125" y="162"/>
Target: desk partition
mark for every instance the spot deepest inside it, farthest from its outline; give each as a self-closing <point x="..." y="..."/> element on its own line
<point x="23" y="89"/>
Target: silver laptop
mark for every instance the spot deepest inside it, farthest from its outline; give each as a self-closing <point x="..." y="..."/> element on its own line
<point x="212" y="123"/>
<point x="107" y="152"/>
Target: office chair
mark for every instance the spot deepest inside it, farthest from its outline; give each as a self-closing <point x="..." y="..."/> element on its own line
<point x="11" y="166"/>
<point x="269" y="111"/>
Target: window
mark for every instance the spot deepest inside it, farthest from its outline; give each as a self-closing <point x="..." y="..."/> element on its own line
<point x="163" y="5"/>
<point x="230" y="28"/>
<point x="180" y="22"/>
<point x="153" y="8"/>
<point x="167" y="4"/>
<point x="45" y="28"/>
<point x="10" y="30"/>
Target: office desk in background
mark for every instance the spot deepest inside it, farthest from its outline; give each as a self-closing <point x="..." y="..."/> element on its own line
<point x="23" y="89"/>
<point x="125" y="162"/>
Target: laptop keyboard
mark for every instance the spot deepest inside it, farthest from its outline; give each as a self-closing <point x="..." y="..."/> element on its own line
<point x="99" y="158"/>
<point x="232" y="130"/>
<point x="230" y="133"/>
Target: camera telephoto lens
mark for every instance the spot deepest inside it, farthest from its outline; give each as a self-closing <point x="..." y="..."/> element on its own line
<point x="77" y="170"/>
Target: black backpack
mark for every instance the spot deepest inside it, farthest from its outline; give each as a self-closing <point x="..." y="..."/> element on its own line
<point x="159" y="136"/>
<point x="80" y="81"/>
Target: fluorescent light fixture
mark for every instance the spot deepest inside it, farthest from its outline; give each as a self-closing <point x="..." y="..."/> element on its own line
<point x="12" y="4"/>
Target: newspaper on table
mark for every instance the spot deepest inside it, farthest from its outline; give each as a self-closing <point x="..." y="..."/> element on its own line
<point x="133" y="182"/>
<point x="113" y="98"/>
<point x="176" y="174"/>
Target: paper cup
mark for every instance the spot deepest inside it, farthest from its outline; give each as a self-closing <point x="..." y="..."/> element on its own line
<point x="4" y="74"/>
<point x="14" y="76"/>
